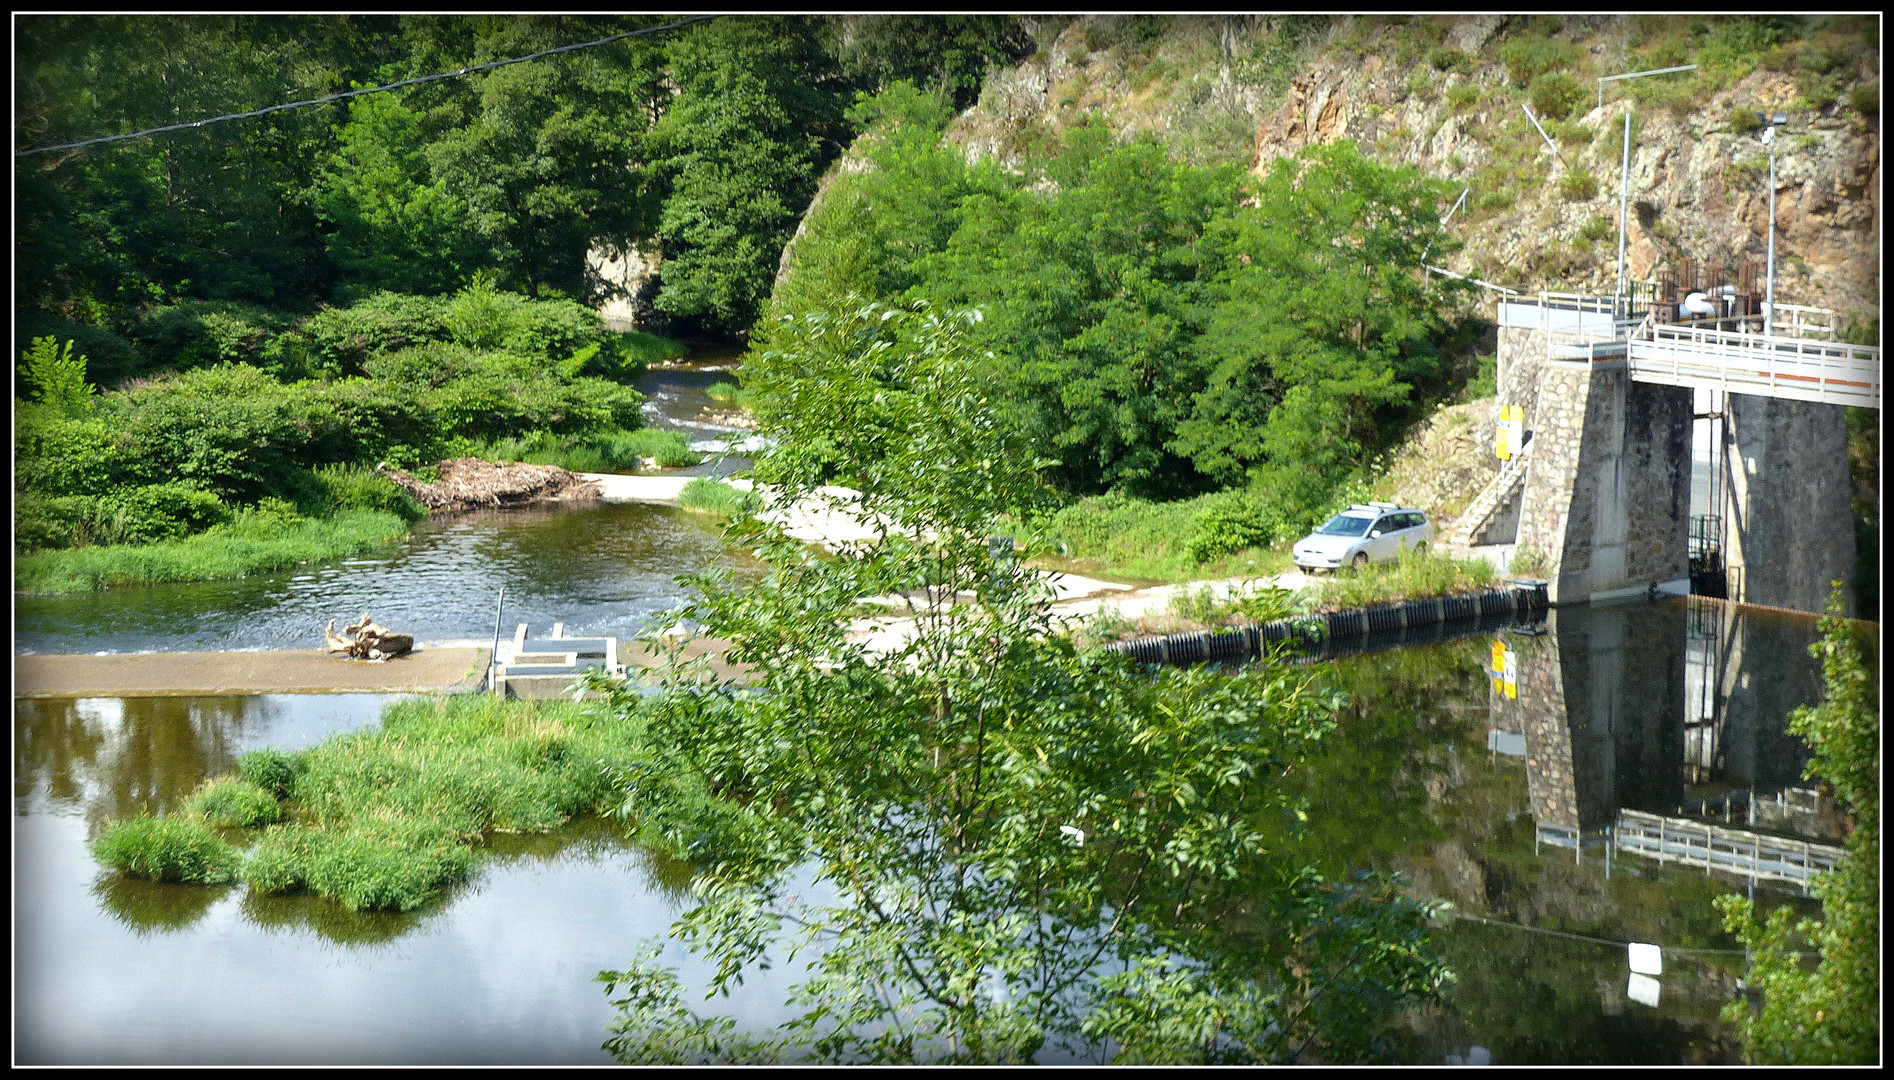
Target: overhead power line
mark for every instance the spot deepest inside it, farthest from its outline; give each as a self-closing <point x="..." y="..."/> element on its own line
<point x="369" y="89"/>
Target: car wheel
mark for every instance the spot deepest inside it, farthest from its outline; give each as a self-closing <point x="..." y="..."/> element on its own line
<point x="1420" y="548"/>
<point x="1360" y="560"/>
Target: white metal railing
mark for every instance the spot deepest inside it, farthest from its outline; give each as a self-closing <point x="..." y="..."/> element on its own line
<point x="1799" y="368"/>
<point x="1714" y="847"/>
<point x="1792" y="321"/>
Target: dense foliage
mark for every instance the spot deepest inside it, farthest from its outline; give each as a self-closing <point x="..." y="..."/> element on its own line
<point x="289" y="421"/>
<point x="1829" y="1014"/>
<point x="1030" y="849"/>
<point x="1159" y="328"/>
<point x="705" y="143"/>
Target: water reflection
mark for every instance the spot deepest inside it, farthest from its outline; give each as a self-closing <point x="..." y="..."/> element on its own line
<point x="111" y="970"/>
<point x="1522" y="808"/>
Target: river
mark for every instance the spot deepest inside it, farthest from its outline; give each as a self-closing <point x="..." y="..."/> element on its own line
<point x="1505" y="805"/>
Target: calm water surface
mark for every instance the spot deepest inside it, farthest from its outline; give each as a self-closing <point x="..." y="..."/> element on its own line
<point x="1503" y="805"/>
<point x="602" y="569"/>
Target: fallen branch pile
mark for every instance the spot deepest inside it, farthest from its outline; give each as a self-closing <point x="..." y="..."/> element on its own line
<point x="363" y="640"/>
<point x="471" y="484"/>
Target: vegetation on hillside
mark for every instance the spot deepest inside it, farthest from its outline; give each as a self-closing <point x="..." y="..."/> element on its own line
<point x="1120" y="293"/>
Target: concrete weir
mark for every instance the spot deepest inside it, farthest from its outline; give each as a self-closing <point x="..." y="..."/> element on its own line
<point x="1606" y="494"/>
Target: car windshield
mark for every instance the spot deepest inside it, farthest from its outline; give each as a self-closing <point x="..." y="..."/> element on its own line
<point x="1344" y="525"/>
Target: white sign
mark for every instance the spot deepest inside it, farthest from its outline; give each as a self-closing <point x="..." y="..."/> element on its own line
<point x="1646" y="959"/>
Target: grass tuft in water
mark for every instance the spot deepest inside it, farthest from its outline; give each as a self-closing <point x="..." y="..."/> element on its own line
<point x="172" y="849"/>
<point x="274" y="771"/>
<point x="231" y="803"/>
<point x="387" y="816"/>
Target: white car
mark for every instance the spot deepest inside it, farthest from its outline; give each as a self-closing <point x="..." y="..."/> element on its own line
<point x="1365" y="533"/>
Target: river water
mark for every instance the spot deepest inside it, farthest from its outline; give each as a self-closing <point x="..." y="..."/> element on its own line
<point x="1517" y="804"/>
<point x="1505" y="805"/>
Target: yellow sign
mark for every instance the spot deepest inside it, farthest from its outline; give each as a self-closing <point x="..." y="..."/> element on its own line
<point x="1509" y="431"/>
<point x="1505" y="669"/>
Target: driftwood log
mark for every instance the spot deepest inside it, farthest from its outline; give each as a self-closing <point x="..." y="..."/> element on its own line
<point x="363" y="640"/>
<point x="470" y="484"/>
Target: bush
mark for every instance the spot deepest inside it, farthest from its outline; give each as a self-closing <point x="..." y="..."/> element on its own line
<point x="201" y="333"/>
<point x="1556" y="95"/>
<point x="273" y="771"/>
<point x="1579" y="185"/>
<point x="122" y="516"/>
<point x="56" y="376"/>
<point x="619" y="451"/>
<point x="1463" y="97"/>
<point x="166" y="849"/>
<point x="1448" y="58"/>
<point x="337" y="341"/>
<point x="356" y="487"/>
<point x="1485" y="380"/>
<point x="1743" y="120"/>
<point x="1528" y="58"/>
<point x="1865" y="98"/>
<point x="232" y="803"/>
<point x="716" y="497"/>
<point x="1597" y="228"/>
<point x="1231" y="522"/>
<point x="110" y="358"/>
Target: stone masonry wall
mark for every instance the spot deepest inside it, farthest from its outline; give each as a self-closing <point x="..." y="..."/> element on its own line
<point x="1789" y="528"/>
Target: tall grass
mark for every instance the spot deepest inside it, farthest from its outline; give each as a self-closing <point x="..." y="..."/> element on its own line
<point x="1411" y="577"/>
<point x="642" y="348"/>
<point x="612" y="452"/>
<point x="715" y="497"/>
<point x="387" y="816"/>
<point x="231" y="803"/>
<point x="1134" y="538"/>
<point x="175" y="849"/>
<point x="252" y="543"/>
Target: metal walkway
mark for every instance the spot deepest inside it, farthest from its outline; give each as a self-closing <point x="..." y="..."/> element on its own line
<point x="1700" y="846"/>
<point x="1800" y="361"/>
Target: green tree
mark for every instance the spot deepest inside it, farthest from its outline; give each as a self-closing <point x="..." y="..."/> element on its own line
<point x="946" y="53"/>
<point x="758" y="116"/>
<point x="1829" y="1015"/>
<point x="396" y="228"/>
<point x="1093" y="281"/>
<point x="1032" y="848"/>
<point x="1322" y="324"/>
<point x="546" y="158"/>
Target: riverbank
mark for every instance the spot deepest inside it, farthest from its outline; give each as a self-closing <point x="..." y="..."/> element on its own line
<point x="198" y="674"/>
<point x="254" y="546"/>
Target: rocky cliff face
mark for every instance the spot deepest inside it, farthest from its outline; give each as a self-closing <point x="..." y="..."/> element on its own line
<point x="1439" y="95"/>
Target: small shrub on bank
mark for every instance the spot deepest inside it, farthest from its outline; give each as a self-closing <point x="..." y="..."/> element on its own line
<point x="612" y="452"/>
<point x="1865" y="98"/>
<point x="716" y="497"/>
<point x="1463" y="97"/>
<point x="1579" y="185"/>
<point x="357" y="487"/>
<point x="172" y="849"/>
<point x="231" y="803"/>
<point x="1527" y="59"/>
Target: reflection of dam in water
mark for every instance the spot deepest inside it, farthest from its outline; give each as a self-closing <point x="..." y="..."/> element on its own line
<point x="1660" y="731"/>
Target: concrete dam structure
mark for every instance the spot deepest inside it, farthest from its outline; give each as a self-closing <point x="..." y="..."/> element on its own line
<point x="1601" y="488"/>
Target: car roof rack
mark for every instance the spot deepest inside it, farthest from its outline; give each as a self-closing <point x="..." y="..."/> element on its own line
<point x="1375" y="506"/>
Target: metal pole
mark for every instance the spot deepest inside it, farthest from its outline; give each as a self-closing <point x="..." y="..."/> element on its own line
<point x="1769" y="290"/>
<point x="493" y="655"/>
<point x="1624" y="204"/>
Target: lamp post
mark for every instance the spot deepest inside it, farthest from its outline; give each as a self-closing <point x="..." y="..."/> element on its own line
<point x="1769" y="288"/>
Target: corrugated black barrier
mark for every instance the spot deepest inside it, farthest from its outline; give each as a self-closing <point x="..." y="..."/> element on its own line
<point x="1340" y="633"/>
